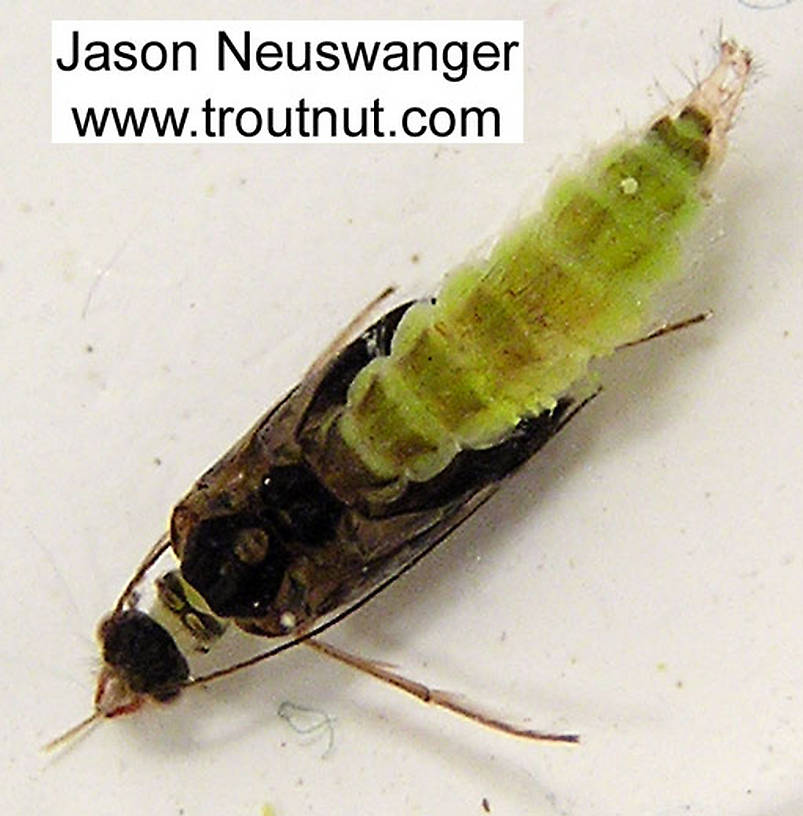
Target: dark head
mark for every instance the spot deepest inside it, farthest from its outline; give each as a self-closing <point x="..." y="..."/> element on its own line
<point x="141" y="661"/>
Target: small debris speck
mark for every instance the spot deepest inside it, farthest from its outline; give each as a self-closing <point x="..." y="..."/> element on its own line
<point x="629" y="186"/>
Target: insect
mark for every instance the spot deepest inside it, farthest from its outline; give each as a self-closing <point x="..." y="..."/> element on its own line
<point x="403" y="429"/>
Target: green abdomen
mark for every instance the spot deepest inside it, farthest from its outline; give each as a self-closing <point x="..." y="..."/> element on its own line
<point x="507" y="336"/>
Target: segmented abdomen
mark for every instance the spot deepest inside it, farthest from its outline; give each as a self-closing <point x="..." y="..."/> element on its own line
<point x="507" y="336"/>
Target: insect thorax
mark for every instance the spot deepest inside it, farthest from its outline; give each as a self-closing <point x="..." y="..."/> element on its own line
<point x="248" y="560"/>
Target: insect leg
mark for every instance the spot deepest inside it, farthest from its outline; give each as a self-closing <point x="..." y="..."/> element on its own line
<point x="668" y="328"/>
<point x="434" y="697"/>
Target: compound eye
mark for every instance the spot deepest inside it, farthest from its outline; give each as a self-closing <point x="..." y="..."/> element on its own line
<point x="143" y="654"/>
<point x="251" y="545"/>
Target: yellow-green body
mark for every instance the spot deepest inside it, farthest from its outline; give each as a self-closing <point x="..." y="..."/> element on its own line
<point x="508" y="335"/>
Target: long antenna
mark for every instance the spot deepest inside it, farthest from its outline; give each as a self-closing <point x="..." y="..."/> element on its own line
<point x="152" y="556"/>
<point x="74" y="731"/>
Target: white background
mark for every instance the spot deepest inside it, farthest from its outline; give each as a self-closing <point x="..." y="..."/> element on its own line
<point x="640" y="582"/>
